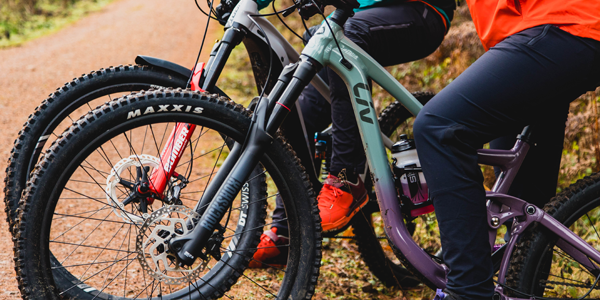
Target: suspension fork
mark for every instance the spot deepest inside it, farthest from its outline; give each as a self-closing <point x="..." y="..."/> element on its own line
<point x="220" y="54"/>
<point x="202" y="80"/>
<point x="210" y="192"/>
<point x="237" y="167"/>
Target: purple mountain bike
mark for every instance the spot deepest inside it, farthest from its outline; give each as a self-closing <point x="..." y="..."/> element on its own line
<point x="552" y="252"/>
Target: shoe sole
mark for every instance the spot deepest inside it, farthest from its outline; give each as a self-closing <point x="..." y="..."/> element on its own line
<point x="343" y="221"/>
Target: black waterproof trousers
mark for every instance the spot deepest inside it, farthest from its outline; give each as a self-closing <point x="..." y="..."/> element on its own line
<point x="392" y="35"/>
<point x="527" y="79"/>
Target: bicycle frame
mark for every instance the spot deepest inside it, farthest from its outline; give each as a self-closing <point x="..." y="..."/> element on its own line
<point x="362" y="67"/>
<point x="356" y="68"/>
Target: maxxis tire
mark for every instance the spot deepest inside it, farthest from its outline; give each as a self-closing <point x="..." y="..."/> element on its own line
<point x="379" y="264"/>
<point x="33" y="256"/>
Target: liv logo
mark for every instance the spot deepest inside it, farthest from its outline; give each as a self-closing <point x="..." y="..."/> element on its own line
<point x="364" y="112"/>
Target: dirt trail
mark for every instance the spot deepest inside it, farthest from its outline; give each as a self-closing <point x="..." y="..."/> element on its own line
<point x="170" y="30"/>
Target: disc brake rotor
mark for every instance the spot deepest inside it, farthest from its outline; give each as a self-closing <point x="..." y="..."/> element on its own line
<point x="123" y="169"/>
<point x="152" y="245"/>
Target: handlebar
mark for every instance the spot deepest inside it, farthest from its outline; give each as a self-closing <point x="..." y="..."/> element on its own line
<point x="306" y="9"/>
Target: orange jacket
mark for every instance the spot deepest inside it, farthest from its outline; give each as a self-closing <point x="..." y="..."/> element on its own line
<point x="497" y="19"/>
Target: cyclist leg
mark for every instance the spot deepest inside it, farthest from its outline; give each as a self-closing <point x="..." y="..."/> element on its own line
<point x="538" y="176"/>
<point x="511" y="85"/>
<point x="385" y="33"/>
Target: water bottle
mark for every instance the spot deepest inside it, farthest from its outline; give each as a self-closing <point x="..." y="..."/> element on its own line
<point x="407" y="169"/>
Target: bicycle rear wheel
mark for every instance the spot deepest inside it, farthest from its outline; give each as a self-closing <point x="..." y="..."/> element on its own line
<point x="540" y="268"/>
<point x="80" y="238"/>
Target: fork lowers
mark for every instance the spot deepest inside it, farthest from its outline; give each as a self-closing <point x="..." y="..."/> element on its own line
<point x="189" y="247"/>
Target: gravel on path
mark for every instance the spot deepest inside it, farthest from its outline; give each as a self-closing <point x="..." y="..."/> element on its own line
<point x="170" y="30"/>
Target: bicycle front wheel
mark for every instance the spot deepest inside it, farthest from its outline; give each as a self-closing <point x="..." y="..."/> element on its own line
<point x="82" y="236"/>
<point x="65" y="105"/>
<point x="540" y="268"/>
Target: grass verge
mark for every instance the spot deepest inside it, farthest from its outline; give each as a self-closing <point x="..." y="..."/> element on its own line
<point x="19" y="25"/>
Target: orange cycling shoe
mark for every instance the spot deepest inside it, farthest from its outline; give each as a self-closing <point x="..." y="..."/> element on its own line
<point x="272" y="251"/>
<point x="339" y="200"/>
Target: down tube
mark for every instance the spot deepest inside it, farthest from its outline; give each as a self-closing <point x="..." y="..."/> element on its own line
<point x="356" y="80"/>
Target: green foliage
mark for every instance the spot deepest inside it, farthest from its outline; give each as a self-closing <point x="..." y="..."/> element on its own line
<point x="23" y="20"/>
<point x="580" y="156"/>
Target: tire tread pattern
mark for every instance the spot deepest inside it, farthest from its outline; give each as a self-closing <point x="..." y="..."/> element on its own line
<point x="29" y="289"/>
<point x="522" y="254"/>
<point x="27" y="139"/>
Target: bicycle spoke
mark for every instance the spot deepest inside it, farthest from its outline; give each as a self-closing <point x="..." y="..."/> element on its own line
<point x="88" y="264"/>
<point x="87" y="218"/>
<point x="107" y="243"/>
<point x="90" y="246"/>
<point x="251" y="229"/>
<point x="92" y="218"/>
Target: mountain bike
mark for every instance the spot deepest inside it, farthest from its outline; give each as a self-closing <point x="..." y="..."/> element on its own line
<point x="544" y="257"/>
<point x="90" y="90"/>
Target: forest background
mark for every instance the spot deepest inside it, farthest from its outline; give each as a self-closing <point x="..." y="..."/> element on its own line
<point x="343" y="274"/>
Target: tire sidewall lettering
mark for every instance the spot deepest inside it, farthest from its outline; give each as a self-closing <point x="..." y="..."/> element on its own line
<point x="168" y="108"/>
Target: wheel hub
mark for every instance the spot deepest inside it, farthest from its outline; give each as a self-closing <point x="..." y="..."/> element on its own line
<point x="120" y="169"/>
